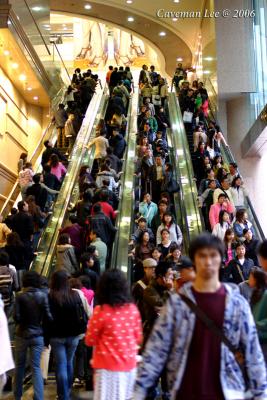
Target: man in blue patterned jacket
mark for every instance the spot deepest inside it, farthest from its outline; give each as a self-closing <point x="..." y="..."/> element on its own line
<point x="199" y="366"/>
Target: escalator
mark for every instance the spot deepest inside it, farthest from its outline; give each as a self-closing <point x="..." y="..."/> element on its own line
<point x="184" y="150"/>
<point x="69" y="189"/>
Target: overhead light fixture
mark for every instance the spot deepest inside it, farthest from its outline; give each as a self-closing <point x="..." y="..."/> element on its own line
<point x="162" y="33"/>
<point x="206" y="72"/>
<point x="35" y="98"/>
<point x="176" y="1"/>
<point x="29" y="89"/>
<point x="65" y="28"/>
<point x="179" y="59"/>
<point x="37" y="8"/>
<point x="130" y="19"/>
<point x="208" y="58"/>
<point x="129" y="1"/>
<point x="88" y="6"/>
<point x="22" y="77"/>
<point x="46" y="25"/>
<point x="48" y="29"/>
<point x="175" y="19"/>
<point x="6" y="52"/>
<point x="15" y="65"/>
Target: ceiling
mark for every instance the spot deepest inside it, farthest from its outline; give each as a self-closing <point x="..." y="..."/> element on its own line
<point x="19" y="70"/>
<point x="180" y="36"/>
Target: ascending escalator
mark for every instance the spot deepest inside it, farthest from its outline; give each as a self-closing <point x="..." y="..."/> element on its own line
<point x="69" y="189"/>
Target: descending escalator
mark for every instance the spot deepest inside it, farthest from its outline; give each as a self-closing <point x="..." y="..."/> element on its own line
<point x="185" y="136"/>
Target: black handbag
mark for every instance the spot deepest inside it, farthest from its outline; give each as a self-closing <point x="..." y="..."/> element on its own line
<point x="173" y="186"/>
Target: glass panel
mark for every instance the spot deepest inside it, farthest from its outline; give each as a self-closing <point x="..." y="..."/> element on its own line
<point x="79" y="155"/>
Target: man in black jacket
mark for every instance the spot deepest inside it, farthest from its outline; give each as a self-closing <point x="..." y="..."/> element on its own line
<point x="118" y="143"/>
<point x="31" y="311"/>
<point x="238" y="269"/>
<point x="49" y="151"/>
<point x="101" y="223"/>
<point x="23" y="225"/>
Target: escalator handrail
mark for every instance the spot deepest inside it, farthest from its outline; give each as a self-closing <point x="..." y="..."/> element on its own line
<point x="37" y="148"/>
<point x="178" y="126"/>
<point x="115" y="248"/>
<point x="126" y="216"/>
<point x="45" y="257"/>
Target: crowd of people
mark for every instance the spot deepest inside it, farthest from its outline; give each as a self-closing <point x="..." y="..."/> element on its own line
<point x="182" y="329"/>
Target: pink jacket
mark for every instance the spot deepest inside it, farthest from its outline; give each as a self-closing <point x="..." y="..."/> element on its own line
<point x="215" y="211"/>
<point x="59" y="171"/>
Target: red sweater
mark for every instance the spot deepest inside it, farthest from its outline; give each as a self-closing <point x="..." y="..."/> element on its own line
<point x="115" y="332"/>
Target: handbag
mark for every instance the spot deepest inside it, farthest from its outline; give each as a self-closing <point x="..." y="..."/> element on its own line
<point x="188" y="117"/>
<point x="237" y="352"/>
<point x="173" y="186"/>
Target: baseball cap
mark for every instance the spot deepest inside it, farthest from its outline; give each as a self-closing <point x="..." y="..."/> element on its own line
<point x="185" y="262"/>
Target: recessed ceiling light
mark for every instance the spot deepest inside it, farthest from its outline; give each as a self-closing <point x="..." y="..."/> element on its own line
<point x="65" y="28"/>
<point x="46" y="25"/>
<point x="36" y="8"/>
<point x="208" y="58"/>
<point x="88" y="6"/>
<point x="22" y="77"/>
<point x="6" y="52"/>
<point x="15" y="65"/>
<point x="176" y="1"/>
<point x="129" y="1"/>
<point x="130" y="19"/>
<point x="29" y="89"/>
<point x="179" y="59"/>
<point x="162" y="33"/>
<point x="206" y="72"/>
<point x="175" y="19"/>
<point x="35" y="98"/>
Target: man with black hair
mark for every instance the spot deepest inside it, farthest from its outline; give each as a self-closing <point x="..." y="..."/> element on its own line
<point x="112" y="198"/>
<point x="101" y="248"/>
<point x="23" y="225"/>
<point x="154" y="298"/>
<point x="50" y="180"/>
<point x="200" y="359"/>
<point x="49" y="150"/>
<point x="115" y="162"/>
<point x="9" y="219"/>
<point x="100" y="223"/>
<point x="157" y="219"/>
<point x="262" y="254"/>
<point x="31" y="311"/>
<point x="239" y="268"/>
<point x="106" y="207"/>
<point x="156" y="294"/>
<point x="251" y="245"/>
<point x="39" y="191"/>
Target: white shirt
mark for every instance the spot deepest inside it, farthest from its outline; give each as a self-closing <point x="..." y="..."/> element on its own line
<point x="101" y="145"/>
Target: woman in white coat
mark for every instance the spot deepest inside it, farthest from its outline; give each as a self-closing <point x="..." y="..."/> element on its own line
<point x="169" y="223"/>
<point x="238" y="192"/>
<point x="221" y="227"/>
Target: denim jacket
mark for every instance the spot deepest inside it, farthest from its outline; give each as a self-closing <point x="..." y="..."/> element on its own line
<point x="170" y="341"/>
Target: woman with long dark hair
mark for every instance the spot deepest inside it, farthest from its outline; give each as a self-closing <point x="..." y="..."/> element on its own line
<point x="115" y="332"/>
<point x="169" y="222"/>
<point x="230" y="244"/>
<point x="221" y="227"/>
<point x="70" y="315"/>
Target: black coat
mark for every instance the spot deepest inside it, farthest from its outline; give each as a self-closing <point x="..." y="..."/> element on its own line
<point x="39" y="193"/>
<point x="23" y="225"/>
<point x="102" y="224"/>
<point x="31" y="310"/>
<point x="118" y="144"/>
<point x="48" y="152"/>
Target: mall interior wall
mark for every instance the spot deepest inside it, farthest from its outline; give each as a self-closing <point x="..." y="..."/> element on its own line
<point x="21" y="127"/>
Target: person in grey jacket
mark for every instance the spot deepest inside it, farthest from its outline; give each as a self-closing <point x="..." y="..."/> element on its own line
<point x="66" y="258"/>
<point x="199" y="365"/>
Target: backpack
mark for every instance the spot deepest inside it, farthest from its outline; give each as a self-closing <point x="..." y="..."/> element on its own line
<point x="6" y="286"/>
<point x="80" y="319"/>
